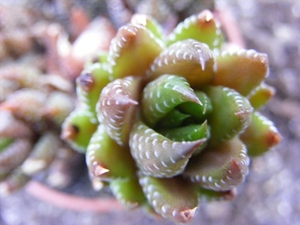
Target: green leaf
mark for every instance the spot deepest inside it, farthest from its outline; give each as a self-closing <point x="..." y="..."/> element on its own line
<point x="261" y="95"/>
<point x="190" y="132"/>
<point x="106" y="159"/>
<point x="128" y="192"/>
<point x="173" y="119"/>
<point x="78" y="129"/>
<point x="150" y="24"/>
<point x="117" y="107"/>
<point x="242" y="70"/>
<point x="5" y="142"/>
<point x="220" y="167"/>
<point x="199" y="112"/>
<point x="158" y="156"/>
<point x="162" y="95"/>
<point x="189" y="58"/>
<point x="206" y="195"/>
<point x="202" y="27"/>
<point x="260" y="136"/>
<point x="133" y="50"/>
<point x="90" y="84"/>
<point x="231" y="113"/>
<point x="172" y="198"/>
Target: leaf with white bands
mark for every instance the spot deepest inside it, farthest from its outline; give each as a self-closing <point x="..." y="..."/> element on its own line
<point x="261" y="135"/>
<point x="106" y="159"/>
<point x="158" y="156"/>
<point x="220" y="167"/>
<point x="242" y="70"/>
<point x="231" y="113"/>
<point x="90" y="83"/>
<point x="202" y="27"/>
<point x="189" y="58"/>
<point x="117" y="107"/>
<point x="132" y="51"/>
<point x="172" y="198"/>
<point x="162" y="95"/>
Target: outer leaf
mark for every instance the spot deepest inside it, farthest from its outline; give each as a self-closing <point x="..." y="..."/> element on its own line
<point x="108" y="160"/>
<point x="78" y="128"/>
<point x="14" y="155"/>
<point x="202" y="27"/>
<point x="14" y="181"/>
<point x="231" y="113"/>
<point x="42" y="155"/>
<point x="58" y="106"/>
<point x="132" y="51"/>
<point x="128" y="192"/>
<point x="172" y="198"/>
<point x="260" y="136"/>
<point x="242" y="70"/>
<point x="220" y="167"/>
<point x="162" y="95"/>
<point x="25" y="104"/>
<point x="90" y="84"/>
<point x="117" y="107"/>
<point x="189" y="58"/>
<point x="261" y="95"/>
<point x="5" y="142"/>
<point x="158" y="156"/>
<point x="150" y="24"/>
<point x="10" y="127"/>
<point x="206" y="195"/>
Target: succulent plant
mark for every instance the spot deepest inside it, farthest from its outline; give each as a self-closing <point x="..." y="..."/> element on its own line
<point x="171" y="120"/>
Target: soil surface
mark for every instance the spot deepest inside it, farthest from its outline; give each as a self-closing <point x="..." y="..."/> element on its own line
<point x="271" y="193"/>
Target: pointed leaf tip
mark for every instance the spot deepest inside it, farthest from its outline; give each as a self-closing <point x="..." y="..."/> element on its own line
<point x="157" y="155"/>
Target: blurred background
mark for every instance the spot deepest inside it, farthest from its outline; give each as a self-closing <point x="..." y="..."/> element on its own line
<point x="271" y="192"/>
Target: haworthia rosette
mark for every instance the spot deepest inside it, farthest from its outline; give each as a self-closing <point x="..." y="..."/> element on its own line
<point x="158" y="156"/>
<point x="220" y="167"/>
<point x="117" y="107"/>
